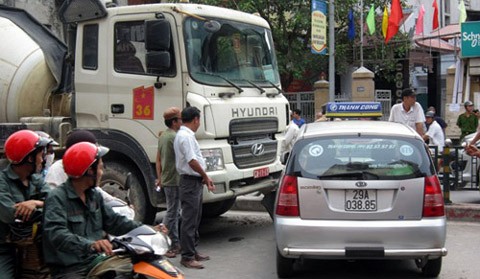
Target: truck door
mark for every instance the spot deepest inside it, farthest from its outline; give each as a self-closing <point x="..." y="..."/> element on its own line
<point x="138" y="96"/>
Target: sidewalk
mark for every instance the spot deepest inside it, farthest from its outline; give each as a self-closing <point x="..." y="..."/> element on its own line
<point x="465" y="205"/>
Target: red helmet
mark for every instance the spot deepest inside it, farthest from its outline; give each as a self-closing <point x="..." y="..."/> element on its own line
<point x="22" y="143"/>
<point x="80" y="156"/>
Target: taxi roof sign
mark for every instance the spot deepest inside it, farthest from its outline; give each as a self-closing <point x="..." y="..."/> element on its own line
<point x="353" y="109"/>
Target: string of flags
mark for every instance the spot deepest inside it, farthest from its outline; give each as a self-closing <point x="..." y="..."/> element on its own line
<point x="391" y="21"/>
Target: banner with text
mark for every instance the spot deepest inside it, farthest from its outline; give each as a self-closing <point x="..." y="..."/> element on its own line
<point x="319" y="27"/>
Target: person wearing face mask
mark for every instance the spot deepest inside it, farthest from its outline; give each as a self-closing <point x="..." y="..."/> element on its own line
<point x="49" y="152"/>
<point x="21" y="192"/>
<point x="76" y="218"/>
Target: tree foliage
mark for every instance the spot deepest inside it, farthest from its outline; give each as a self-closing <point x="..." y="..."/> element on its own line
<point x="291" y="29"/>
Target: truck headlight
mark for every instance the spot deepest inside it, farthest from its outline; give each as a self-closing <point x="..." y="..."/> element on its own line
<point x="213" y="159"/>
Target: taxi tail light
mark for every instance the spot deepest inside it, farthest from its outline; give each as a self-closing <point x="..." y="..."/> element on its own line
<point x="433" y="203"/>
<point x="287" y="204"/>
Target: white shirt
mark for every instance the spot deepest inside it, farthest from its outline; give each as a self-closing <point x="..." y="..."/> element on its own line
<point x="409" y="118"/>
<point x="56" y="175"/>
<point x="290" y="136"/>
<point x="435" y="133"/>
<point x="186" y="149"/>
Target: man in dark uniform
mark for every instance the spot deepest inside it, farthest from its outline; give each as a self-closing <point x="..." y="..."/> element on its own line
<point x="76" y="217"/>
<point x="467" y="121"/>
<point x="20" y="189"/>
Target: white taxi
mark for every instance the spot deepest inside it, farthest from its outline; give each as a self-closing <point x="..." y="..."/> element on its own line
<point x="360" y="190"/>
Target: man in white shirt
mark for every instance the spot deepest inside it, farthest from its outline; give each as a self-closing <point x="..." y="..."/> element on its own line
<point x="191" y="167"/>
<point x="290" y="136"/>
<point x="409" y="111"/>
<point x="435" y="132"/>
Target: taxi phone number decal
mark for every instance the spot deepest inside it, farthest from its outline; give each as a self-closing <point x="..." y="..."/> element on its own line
<point x="143" y="103"/>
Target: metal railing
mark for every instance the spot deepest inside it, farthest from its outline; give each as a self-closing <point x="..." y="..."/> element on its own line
<point x="456" y="169"/>
<point x="305" y="101"/>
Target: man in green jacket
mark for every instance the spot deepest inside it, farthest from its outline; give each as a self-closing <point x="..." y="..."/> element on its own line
<point x="76" y="217"/>
<point x="21" y="190"/>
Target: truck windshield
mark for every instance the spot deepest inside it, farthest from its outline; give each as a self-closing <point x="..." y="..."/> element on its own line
<point x="237" y="52"/>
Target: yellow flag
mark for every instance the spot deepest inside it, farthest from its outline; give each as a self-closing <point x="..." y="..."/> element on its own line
<point x="463" y="12"/>
<point x="385" y="22"/>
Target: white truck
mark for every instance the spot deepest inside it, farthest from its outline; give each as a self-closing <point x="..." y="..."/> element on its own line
<point x="123" y="66"/>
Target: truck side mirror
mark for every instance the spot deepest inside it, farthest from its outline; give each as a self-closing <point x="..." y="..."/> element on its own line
<point x="157" y="61"/>
<point x="157" y="35"/>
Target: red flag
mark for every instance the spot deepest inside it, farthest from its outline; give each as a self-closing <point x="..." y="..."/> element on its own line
<point x="435" y="15"/>
<point x="396" y="16"/>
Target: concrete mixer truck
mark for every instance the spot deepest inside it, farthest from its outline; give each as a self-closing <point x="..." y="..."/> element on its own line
<point x="121" y="67"/>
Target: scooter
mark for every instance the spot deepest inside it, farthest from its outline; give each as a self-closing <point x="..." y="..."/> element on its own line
<point x="138" y="254"/>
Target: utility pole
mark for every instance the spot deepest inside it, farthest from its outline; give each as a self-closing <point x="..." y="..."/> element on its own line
<point x="361" y="33"/>
<point x="331" y="51"/>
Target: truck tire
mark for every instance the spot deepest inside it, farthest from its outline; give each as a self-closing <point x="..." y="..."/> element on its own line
<point x="113" y="180"/>
<point x="215" y="209"/>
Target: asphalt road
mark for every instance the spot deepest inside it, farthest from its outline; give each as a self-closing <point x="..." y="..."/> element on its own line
<point x="242" y="245"/>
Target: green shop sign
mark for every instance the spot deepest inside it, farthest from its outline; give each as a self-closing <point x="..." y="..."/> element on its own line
<point x="471" y="39"/>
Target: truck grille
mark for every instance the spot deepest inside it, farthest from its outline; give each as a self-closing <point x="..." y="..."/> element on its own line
<point x="243" y="156"/>
<point x="250" y="134"/>
<point x="253" y="126"/>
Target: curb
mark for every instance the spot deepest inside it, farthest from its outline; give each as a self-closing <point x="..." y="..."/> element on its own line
<point x="463" y="212"/>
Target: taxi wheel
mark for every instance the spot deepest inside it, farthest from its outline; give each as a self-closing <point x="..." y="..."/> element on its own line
<point x="284" y="266"/>
<point x="432" y="268"/>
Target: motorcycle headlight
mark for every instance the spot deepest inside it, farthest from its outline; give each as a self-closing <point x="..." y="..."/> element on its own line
<point x="213" y="159"/>
<point x="159" y="242"/>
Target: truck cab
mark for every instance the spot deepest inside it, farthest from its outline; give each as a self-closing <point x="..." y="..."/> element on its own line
<point x="133" y="62"/>
<point x="152" y="57"/>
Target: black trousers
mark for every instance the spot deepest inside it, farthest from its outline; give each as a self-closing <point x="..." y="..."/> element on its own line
<point x="191" y="196"/>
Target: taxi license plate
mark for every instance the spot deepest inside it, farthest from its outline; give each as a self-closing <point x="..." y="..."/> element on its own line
<point x="360" y="200"/>
<point x="261" y="172"/>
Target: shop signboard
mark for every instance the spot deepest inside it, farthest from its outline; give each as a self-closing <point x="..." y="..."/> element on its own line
<point x="470" y="37"/>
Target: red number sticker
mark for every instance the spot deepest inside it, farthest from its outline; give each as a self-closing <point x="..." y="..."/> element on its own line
<point x="143" y="103"/>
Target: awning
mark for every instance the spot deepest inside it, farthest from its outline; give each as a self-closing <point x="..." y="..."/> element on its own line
<point x="438" y="40"/>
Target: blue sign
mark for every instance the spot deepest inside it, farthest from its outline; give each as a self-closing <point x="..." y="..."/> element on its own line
<point x="354" y="109"/>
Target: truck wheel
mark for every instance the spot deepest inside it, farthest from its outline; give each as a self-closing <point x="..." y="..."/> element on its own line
<point x="113" y="180"/>
<point x="215" y="209"/>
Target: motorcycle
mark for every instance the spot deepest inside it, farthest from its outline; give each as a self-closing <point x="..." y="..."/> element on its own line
<point x="26" y="236"/>
<point x="138" y="254"/>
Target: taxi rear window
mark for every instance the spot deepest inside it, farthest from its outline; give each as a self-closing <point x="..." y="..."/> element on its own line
<point x="365" y="158"/>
